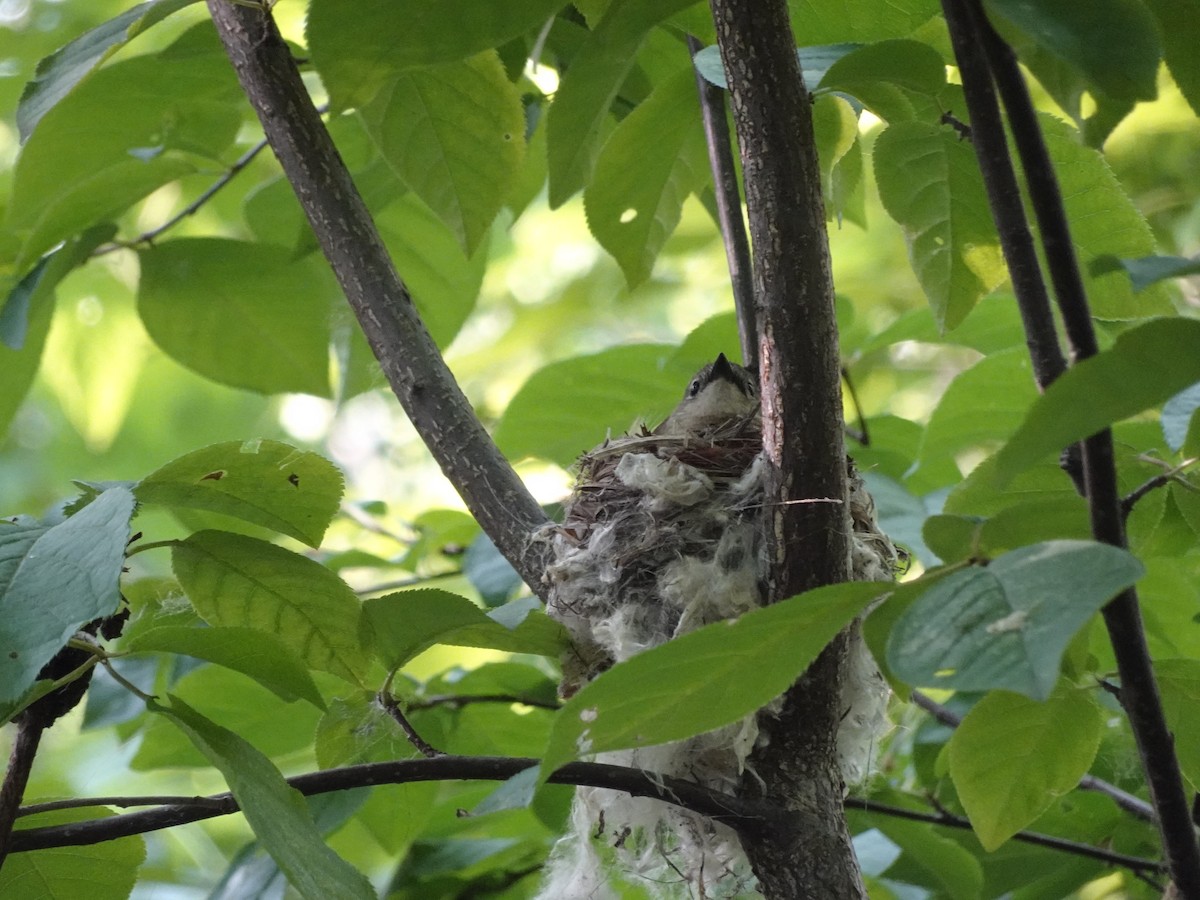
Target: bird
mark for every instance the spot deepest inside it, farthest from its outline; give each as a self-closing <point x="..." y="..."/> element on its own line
<point x="664" y="533"/>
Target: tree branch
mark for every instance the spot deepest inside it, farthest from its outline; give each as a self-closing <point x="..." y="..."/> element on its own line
<point x="179" y="810"/>
<point x="736" y="813"/>
<point x="802" y="438"/>
<point x="1122" y="616"/>
<point x="729" y="209"/>
<point x="408" y="356"/>
<point x="1004" y="197"/>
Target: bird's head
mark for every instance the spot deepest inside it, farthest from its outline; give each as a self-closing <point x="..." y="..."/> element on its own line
<point x="720" y="392"/>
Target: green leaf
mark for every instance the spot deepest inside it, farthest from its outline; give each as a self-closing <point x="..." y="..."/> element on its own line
<point x="277" y="813"/>
<point x="109" y="870"/>
<point x="489" y="572"/>
<point x="148" y="120"/>
<point x="263" y="657"/>
<point x="1179" y="685"/>
<point x="357" y="729"/>
<point x="455" y="134"/>
<point x="59" y="72"/>
<point x="1104" y="223"/>
<point x="25" y="318"/>
<point x="243" y="314"/>
<point x="898" y="80"/>
<point x="1113" y="43"/>
<point x="835" y="127"/>
<point x="359" y="45"/>
<point x="930" y="855"/>
<point x="697" y="682"/>
<point x="981" y="407"/>
<point x="1145" y="367"/>
<point x="276" y="728"/>
<point x="649" y="165"/>
<point x="814" y="62"/>
<point x="1180" y="30"/>
<point x="1146" y="270"/>
<point x="443" y="281"/>
<point x="295" y="492"/>
<point x="236" y="580"/>
<point x="406" y="622"/>
<point x="930" y="184"/>
<point x="566" y="408"/>
<point x="576" y="119"/>
<point x="1177" y="416"/>
<point x="829" y="21"/>
<point x="53" y="581"/>
<point x="1012" y="757"/>
<point x="1008" y="624"/>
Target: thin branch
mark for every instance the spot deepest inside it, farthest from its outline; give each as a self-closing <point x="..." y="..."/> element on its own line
<point x="1004" y="196"/>
<point x="121" y="802"/>
<point x="738" y="814"/>
<point x="729" y="209"/>
<point x="408" y="356"/>
<point x="149" y="237"/>
<point x="721" y="807"/>
<point x="1130" y="500"/>
<point x="16" y="778"/>
<point x="1131" y="804"/>
<point x="1134" y="863"/>
<point x="1122" y="616"/>
<point x="456" y="700"/>
<point x="401" y="583"/>
<point x="388" y="702"/>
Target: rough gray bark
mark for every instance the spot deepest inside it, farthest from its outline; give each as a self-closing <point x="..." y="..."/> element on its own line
<point x="802" y="434"/>
<point x="408" y="356"/>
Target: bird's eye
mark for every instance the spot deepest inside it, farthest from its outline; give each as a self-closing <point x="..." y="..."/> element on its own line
<point x="694" y="388"/>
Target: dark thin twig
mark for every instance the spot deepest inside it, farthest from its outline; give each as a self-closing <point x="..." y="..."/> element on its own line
<point x="729" y="209"/>
<point x="1004" y="197"/>
<point x="426" y="749"/>
<point x="121" y="802"/>
<point x="1131" y="804"/>
<point x="1130" y="500"/>
<point x="1122" y="616"/>
<point x="1134" y="863"/>
<point x="860" y="434"/>
<point x="148" y="237"/>
<point x="456" y="700"/>
<point x="16" y="777"/>
<point x="733" y="811"/>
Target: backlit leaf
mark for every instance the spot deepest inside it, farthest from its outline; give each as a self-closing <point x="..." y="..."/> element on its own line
<point x="1012" y="757"/>
<point x="295" y="492"/>
<point x="236" y="580"/>
<point x="247" y="315"/>
<point x="929" y="182"/>
<point x="455" y="134"/>
<point x="59" y="72"/>
<point x="648" y="167"/>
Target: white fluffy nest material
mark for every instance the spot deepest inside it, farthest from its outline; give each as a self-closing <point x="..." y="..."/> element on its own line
<point x="663" y="535"/>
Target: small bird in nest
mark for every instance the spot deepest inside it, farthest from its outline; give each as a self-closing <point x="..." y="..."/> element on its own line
<point x="665" y="533"/>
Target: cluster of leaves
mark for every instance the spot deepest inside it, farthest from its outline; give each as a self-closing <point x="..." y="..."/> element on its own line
<point x="265" y="660"/>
